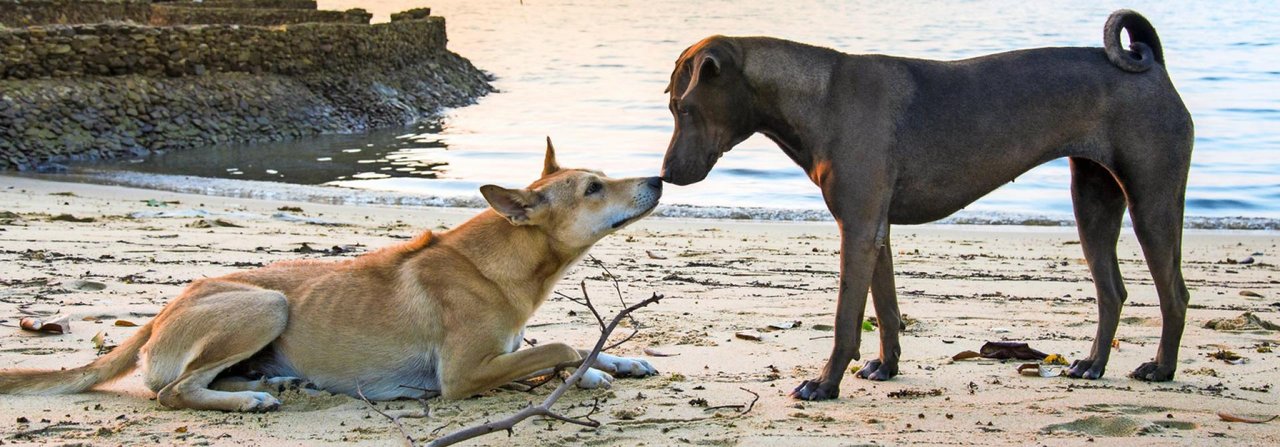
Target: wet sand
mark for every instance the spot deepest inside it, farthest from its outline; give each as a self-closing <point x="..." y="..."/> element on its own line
<point x="960" y="285"/>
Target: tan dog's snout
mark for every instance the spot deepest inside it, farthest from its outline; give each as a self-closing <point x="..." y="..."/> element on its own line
<point x="649" y="192"/>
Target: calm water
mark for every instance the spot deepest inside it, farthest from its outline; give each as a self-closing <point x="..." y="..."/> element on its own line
<point x="591" y="73"/>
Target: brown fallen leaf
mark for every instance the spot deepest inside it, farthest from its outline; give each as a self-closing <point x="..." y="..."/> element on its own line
<point x="70" y="218"/>
<point x="182" y="429"/>
<point x="1229" y="357"/>
<point x="966" y="355"/>
<point x="748" y="335"/>
<point x="656" y="353"/>
<point x="1233" y="418"/>
<point x="58" y="324"/>
<point x="653" y="255"/>
<point x="126" y="323"/>
<point x="1250" y="293"/>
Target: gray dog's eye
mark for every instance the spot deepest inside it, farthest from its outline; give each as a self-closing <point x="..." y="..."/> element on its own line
<point x="593" y="188"/>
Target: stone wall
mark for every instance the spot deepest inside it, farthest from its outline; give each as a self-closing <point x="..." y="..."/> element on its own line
<point x="168" y="15"/>
<point x="15" y="13"/>
<point x="122" y="49"/>
<point x="273" y="4"/>
<point x="106" y="90"/>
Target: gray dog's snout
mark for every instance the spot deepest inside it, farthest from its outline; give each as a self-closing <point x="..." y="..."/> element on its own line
<point x="654" y="182"/>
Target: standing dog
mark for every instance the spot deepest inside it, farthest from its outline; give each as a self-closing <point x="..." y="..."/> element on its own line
<point x="906" y="141"/>
<point x="463" y="295"/>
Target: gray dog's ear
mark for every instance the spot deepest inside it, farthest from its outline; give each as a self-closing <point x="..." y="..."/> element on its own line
<point x="710" y="66"/>
<point x="549" y="164"/>
<point x="513" y="204"/>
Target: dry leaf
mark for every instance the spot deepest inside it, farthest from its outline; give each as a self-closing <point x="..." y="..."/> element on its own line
<point x="99" y="341"/>
<point x="656" y="353"/>
<point x="653" y="255"/>
<point x="1055" y="359"/>
<point x="748" y="335"/>
<point x="182" y="429"/>
<point x="1250" y="293"/>
<point x="1233" y="418"/>
<point x="58" y="324"/>
<point x="966" y="355"/>
<point x="126" y="323"/>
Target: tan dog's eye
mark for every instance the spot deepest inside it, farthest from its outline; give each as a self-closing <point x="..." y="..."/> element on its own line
<point x="593" y="188"/>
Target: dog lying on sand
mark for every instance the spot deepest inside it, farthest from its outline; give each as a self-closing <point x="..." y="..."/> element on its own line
<point x="464" y="295"/>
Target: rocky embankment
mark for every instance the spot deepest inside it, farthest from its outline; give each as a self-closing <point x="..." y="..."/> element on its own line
<point x="77" y="91"/>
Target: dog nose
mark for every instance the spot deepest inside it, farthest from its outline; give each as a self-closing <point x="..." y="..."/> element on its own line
<point x="654" y="182"/>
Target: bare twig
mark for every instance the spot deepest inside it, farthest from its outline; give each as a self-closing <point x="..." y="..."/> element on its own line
<point x="745" y="408"/>
<point x="394" y="420"/>
<point x="617" y="287"/>
<point x="544" y="409"/>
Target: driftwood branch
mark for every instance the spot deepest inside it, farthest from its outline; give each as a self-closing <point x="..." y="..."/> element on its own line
<point x="544" y="409"/>
<point x="394" y="419"/>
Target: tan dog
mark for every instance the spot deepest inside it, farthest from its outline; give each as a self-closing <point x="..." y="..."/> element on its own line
<point x="465" y="293"/>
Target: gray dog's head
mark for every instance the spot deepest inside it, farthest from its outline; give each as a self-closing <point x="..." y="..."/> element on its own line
<point x="711" y="103"/>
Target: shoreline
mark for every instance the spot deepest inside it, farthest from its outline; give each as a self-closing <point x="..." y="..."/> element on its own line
<point x="122" y="253"/>
<point x="340" y="195"/>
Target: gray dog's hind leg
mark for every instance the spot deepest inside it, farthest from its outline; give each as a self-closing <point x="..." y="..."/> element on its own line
<point x="1099" y="207"/>
<point x="885" y="297"/>
<point x="1157" y="220"/>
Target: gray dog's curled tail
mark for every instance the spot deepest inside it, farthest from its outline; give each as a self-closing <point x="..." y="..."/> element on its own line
<point x="1144" y="45"/>
<point x="109" y="367"/>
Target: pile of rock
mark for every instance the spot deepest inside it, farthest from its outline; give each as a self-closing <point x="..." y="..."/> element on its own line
<point x="100" y="91"/>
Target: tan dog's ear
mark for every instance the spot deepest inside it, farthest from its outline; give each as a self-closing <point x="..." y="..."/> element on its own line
<point x="549" y="165"/>
<point x="513" y="204"/>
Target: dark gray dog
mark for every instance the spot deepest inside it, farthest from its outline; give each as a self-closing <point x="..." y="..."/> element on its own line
<point x="907" y="141"/>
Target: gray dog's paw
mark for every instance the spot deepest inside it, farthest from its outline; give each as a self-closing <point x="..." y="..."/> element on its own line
<point x="813" y="390"/>
<point x="877" y="370"/>
<point x="1086" y="369"/>
<point x="1152" y="372"/>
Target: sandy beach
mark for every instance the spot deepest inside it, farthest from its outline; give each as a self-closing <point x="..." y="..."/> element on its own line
<point x="111" y="257"/>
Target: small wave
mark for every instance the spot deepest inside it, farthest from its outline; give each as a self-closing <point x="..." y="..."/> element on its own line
<point x="761" y="173"/>
<point x="1213" y="204"/>
<point x="346" y="196"/>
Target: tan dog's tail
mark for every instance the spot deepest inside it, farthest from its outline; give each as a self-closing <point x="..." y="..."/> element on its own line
<point x="109" y="367"/>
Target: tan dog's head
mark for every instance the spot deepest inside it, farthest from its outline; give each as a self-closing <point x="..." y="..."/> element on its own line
<point x="575" y="207"/>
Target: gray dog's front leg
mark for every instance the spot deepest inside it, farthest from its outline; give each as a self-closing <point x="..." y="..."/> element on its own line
<point x="857" y="257"/>
<point x="885" y="297"/>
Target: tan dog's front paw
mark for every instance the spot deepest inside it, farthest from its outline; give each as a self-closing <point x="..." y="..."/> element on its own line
<point x="595" y="378"/>
<point x="625" y="367"/>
